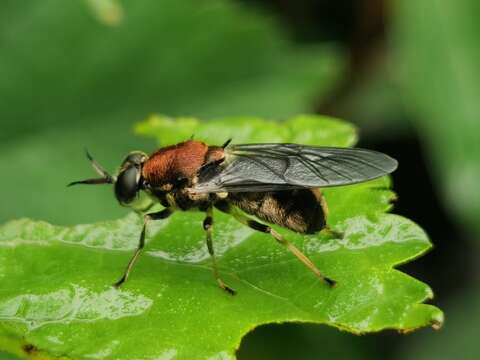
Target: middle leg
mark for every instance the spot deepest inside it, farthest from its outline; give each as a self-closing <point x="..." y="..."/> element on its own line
<point x="208" y="226"/>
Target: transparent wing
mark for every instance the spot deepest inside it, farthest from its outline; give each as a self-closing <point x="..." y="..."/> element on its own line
<point x="268" y="167"/>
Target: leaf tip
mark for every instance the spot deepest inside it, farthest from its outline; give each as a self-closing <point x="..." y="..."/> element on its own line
<point x="437" y="321"/>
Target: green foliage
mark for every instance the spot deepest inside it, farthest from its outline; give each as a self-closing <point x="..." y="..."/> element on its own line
<point x="162" y="56"/>
<point x="56" y="291"/>
<point x="437" y="54"/>
<point x="69" y="82"/>
<point x="303" y="129"/>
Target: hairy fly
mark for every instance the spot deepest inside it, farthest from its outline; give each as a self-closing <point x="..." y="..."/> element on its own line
<point x="259" y="184"/>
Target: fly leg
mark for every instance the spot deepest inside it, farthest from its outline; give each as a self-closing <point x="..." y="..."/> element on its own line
<point x="208" y="227"/>
<point x="323" y="203"/>
<point x="163" y="214"/>
<point x="255" y="225"/>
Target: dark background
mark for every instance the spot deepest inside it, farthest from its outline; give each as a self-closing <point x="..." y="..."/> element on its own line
<point x="407" y="73"/>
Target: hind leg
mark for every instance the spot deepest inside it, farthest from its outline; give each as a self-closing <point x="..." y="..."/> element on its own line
<point x="292" y="248"/>
<point x="255" y="225"/>
<point x="323" y="203"/>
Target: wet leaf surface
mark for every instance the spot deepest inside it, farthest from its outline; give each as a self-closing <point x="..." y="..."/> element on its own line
<point x="56" y="292"/>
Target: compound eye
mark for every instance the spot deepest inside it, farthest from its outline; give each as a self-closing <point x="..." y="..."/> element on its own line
<point x="126" y="186"/>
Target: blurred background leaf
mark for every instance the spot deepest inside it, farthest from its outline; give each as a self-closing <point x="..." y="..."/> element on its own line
<point x="110" y="12"/>
<point x="437" y="56"/>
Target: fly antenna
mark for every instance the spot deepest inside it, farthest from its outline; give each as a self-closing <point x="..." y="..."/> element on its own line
<point x="98" y="168"/>
<point x="106" y="178"/>
<point x="91" y="181"/>
<point x="226" y="143"/>
<point x="191" y="137"/>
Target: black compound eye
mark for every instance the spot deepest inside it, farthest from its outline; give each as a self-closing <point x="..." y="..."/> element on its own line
<point x="126" y="186"/>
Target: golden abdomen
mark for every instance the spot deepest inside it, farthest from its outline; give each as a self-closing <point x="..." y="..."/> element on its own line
<point x="299" y="210"/>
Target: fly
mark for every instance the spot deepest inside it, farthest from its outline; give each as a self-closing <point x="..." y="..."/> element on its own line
<point x="274" y="183"/>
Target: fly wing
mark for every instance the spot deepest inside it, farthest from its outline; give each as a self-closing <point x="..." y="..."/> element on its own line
<point x="270" y="167"/>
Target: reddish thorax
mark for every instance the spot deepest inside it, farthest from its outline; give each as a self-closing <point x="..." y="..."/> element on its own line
<point x="175" y="162"/>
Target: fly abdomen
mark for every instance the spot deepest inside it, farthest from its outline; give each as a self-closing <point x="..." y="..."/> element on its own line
<point x="299" y="210"/>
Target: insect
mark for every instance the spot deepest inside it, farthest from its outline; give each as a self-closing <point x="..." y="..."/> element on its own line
<point x="274" y="183"/>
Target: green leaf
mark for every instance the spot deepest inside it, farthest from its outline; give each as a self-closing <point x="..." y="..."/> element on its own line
<point x="302" y="129"/>
<point x="57" y="299"/>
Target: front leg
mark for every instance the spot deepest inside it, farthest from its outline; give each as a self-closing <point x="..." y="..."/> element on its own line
<point x="163" y="214"/>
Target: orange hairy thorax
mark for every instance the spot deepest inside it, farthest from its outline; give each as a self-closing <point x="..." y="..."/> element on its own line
<point x="175" y="162"/>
